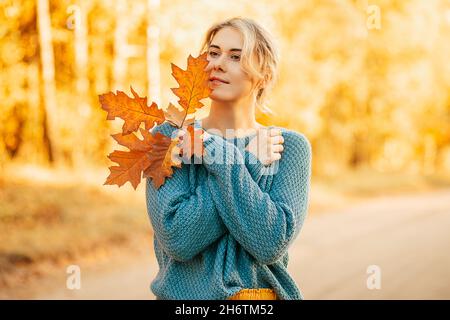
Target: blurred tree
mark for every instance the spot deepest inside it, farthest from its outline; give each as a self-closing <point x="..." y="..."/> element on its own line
<point x="48" y="98"/>
<point x="377" y="98"/>
<point x="120" y="45"/>
<point x="153" y="59"/>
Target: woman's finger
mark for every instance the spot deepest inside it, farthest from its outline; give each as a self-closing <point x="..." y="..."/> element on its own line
<point x="276" y="156"/>
<point x="277" y="139"/>
<point x="277" y="148"/>
<point x="275" y="132"/>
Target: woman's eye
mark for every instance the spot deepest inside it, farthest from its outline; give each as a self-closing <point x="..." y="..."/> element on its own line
<point x="214" y="54"/>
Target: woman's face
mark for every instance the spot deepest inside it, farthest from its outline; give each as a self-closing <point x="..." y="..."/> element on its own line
<point x="224" y="56"/>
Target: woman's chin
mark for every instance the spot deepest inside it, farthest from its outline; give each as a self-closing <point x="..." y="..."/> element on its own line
<point x="215" y="96"/>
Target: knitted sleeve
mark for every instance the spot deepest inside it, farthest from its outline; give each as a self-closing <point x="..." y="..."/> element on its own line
<point x="184" y="219"/>
<point x="264" y="223"/>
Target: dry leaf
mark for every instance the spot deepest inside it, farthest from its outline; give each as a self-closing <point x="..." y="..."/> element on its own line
<point x="192" y="143"/>
<point x="193" y="83"/>
<point x="162" y="159"/>
<point x="132" y="110"/>
<point x="156" y="155"/>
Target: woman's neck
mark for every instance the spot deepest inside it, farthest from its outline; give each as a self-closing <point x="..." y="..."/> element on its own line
<point x="226" y="116"/>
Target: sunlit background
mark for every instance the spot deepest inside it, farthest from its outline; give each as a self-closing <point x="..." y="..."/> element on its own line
<point x="367" y="82"/>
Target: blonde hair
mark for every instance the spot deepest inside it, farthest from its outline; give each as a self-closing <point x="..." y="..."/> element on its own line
<point x="259" y="57"/>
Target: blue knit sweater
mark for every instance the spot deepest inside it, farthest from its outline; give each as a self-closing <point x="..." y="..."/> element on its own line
<point x="221" y="226"/>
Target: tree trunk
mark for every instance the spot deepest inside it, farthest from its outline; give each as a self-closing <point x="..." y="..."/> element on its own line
<point x="153" y="71"/>
<point x="120" y="46"/>
<point x="47" y="88"/>
<point x="82" y="81"/>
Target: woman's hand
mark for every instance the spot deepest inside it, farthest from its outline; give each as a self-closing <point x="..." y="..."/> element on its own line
<point x="267" y="145"/>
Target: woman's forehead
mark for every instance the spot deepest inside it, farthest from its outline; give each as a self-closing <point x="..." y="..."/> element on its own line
<point x="227" y="39"/>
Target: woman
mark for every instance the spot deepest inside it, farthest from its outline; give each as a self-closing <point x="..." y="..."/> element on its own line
<point x="222" y="228"/>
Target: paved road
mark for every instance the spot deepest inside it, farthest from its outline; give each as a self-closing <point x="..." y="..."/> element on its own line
<point x="406" y="237"/>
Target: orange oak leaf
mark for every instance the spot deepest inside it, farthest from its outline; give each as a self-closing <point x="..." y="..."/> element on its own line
<point x="132" y="110"/>
<point x="178" y="118"/>
<point x="132" y="163"/>
<point x="156" y="155"/>
<point x="193" y="83"/>
<point x="162" y="158"/>
<point x="192" y="143"/>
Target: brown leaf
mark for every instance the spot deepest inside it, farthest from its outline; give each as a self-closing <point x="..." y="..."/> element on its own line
<point x="193" y="83"/>
<point x="143" y="155"/>
<point x="162" y="159"/>
<point x="174" y="115"/>
<point x="132" y="110"/>
<point x="156" y="155"/>
<point x="192" y="143"/>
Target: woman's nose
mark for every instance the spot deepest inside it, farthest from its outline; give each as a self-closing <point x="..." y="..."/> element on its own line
<point x="215" y="64"/>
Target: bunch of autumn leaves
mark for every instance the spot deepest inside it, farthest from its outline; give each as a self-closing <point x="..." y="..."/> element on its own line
<point x="152" y="157"/>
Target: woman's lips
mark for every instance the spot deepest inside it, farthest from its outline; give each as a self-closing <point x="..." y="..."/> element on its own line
<point x="217" y="82"/>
